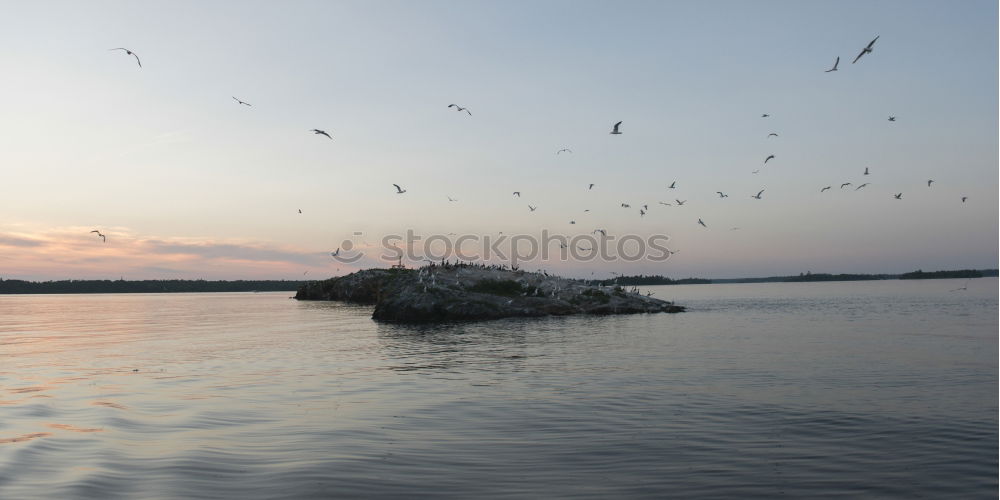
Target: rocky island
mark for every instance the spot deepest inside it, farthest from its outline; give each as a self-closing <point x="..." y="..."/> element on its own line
<point x="461" y="292"/>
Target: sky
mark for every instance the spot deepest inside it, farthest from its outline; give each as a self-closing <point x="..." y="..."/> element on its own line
<point x="187" y="183"/>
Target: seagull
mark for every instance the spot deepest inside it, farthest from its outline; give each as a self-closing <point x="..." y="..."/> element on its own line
<point x="572" y="222"/>
<point x="835" y="63"/>
<point x="460" y="109"/>
<point x="645" y="207"/>
<point x="866" y="50"/>
<point x="615" y="130"/>
<point x="861" y="186"/>
<point x="756" y="171"/>
<point x="320" y="132"/>
<point x="334" y="254"/>
<point x="665" y="204"/>
<point x="772" y="133"/>
<point x="399" y="190"/>
<point x="765" y="115"/>
<point x="866" y="170"/>
<point x="722" y="195"/>
<point x="103" y="238"/>
<point x="451" y="199"/>
<point x="673" y="185"/>
<point x="626" y="205"/>
<point x="129" y="52"/>
<point x="898" y="196"/>
<point x="702" y="223"/>
<point x="679" y="202"/>
<point x="768" y="158"/>
<point x="642" y="212"/>
<point x="532" y="208"/>
<point x="242" y="102"/>
<point x="603" y="232"/>
<point x="590" y="187"/>
<point x="842" y="186"/>
<point x="300" y="210"/>
<point x="929" y="181"/>
<point x="892" y="118"/>
<point x="964" y="198"/>
<point x="757" y="196"/>
<point x="824" y="189"/>
<point x="564" y="149"/>
<point x="517" y="193"/>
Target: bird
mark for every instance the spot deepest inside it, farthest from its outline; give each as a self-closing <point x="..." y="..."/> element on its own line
<point x="615" y="130"/>
<point x="898" y="196"/>
<point x="642" y="212"/>
<point x="757" y="196"/>
<point x="824" y="189"/>
<point x="772" y="134"/>
<point x="451" y="199"/>
<point x="702" y="223"/>
<point x="964" y="198"/>
<point x="866" y="50"/>
<point x="517" y="193"/>
<point x="929" y="181"/>
<point x="722" y="195"/>
<point x="673" y="185"/>
<point x="756" y="171"/>
<point x="129" y="52"/>
<point x="645" y="207"/>
<point x="300" y="210"/>
<point x="242" y="102"/>
<point x="842" y="186"/>
<point x="765" y="115"/>
<point x="532" y="208"/>
<point x="626" y="205"/>
<point x="399" y="190"/>
<point x="564" y="149"/>
<point x="866" y="170"/>
<point x="892" y="118"/>
<point x="768" y="158"/>
<point x="103" y="238"/>
<point x="664" y="204"/>
<point x="835" y="63"/>
<point x="334" y="254"/>
<point x="861" y="186"/>
<point x="572" y="222"/>
<point x="679" y="202"/>
<point x="603" y="232"/>
<point x="460" y="109"/>
<point x="590" y="187"/>
<point x="320" y="132"/>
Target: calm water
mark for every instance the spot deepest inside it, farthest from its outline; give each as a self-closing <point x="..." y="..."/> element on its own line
<point x="879" y="389"/>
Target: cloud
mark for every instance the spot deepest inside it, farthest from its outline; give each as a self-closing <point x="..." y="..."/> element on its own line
<point x="15" y="241"/>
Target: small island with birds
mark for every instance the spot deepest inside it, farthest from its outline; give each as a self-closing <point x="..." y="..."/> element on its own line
<point x="466" y="292"/>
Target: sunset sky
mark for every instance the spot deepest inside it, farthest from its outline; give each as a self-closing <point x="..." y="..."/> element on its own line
<point x="187" y="183"/>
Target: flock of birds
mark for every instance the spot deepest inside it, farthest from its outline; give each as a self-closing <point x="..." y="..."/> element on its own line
<point x="616" y="129"/>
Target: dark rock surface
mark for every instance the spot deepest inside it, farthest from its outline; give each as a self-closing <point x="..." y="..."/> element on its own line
<point x="469" y="292"/>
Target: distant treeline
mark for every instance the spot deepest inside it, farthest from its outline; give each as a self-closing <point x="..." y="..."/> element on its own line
<point x="651" y="280"/>
<point x="145" y="286"/>
<point x="933" y="275"/>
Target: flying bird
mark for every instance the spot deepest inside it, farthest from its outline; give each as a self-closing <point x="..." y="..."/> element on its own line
<point x="590" y="187"/>
<point x="702" y="223"/>
<point x="532" y="208"/>
<point x="242" y="102"/>
<point x="103" y="238"/>
<point x="460" y="109"/>
<point x="399" y="190"/>
<point x="866" y="50"/>
<point x="673" y="185"/>
<point x="898" y="196"/>
<point x="321" y="132"/>
<point x="300" y="210"/>
<point x="756" y="171"/>
<point x="964" y="198"/>
<point x="866" y="170"/>
<point x="861" y="186"/>
<point x="626" y="205"/>
<point x="765" y="115"/>
<point x="824" y="189"/>
<point x="892" y="118"/>
<point x="842" y="186"/>
<point x="642" y="212"/>
<point x="772" y="134"/>
<point x="129" y="52"/>
<point x="722" y="195"/>
<point x="517" y="193"/>
<point x="334" y="254"/>
<point x="603" y="232"/>
<point x="929" y="181"/>
<point x="451" y="199"/>
<point x="645" y="207"/>
<point x="679" y="202"/>
<point x="665" y="204"/>
<point x="768" y="158"/>
<point x="757" y="196"/>
<point x="564" y="149"/>
<point x="572" y="222"/>
<point x="615" y="130"/>
<point x="835" y="63"/>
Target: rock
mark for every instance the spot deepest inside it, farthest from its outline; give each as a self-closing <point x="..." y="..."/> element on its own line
<point x="471" y="292"/>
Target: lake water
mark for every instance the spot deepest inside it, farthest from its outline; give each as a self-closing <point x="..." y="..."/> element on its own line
<point x="876" y="389"/>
